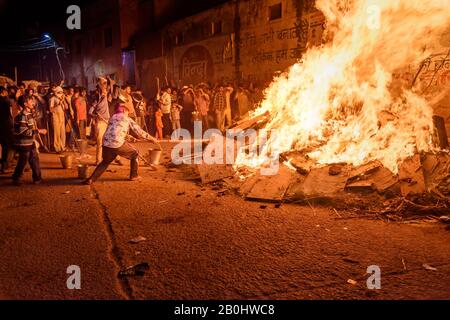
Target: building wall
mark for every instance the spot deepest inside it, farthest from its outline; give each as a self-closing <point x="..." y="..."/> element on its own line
<point x="202" y="55"/>
<point x="267" y="47"/>
<point x="249" y="47"/>
<point x="129" y="21"/>
<point x="91" y="57"/>
<point x="435" y="78"/>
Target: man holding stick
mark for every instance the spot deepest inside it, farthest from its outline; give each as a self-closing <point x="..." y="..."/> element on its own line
<point x="57" y="110"/>
<point x="115" y="144"/>
<point x="165" y="102"/>
<point x="100" y="113"/>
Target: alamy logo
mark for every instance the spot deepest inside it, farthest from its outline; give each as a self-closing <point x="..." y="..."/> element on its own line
<point x="74" y="280"/>
<point x="374" y="281"/>
<point x="236" y="146"/>
<point x="374" y="17"/>
<point x="74" y="20"/>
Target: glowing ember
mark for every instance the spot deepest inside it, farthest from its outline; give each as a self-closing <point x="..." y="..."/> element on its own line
<point x="339" y="104"/>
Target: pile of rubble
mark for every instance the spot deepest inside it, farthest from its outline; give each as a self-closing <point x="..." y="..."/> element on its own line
<point x="421" y="187"/>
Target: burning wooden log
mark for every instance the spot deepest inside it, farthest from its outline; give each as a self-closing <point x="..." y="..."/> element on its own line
<point x="437" y="173"/>
<point x="302" y="163"/>
<point x="272" y="188"/>
<point x="363" y="170"/>
<point x="319" y="183"/>
<point x="383" y="180"/>
<point x="251" y="123"/>
<point x="441" y="132"/>
<point x="412" y="179"/>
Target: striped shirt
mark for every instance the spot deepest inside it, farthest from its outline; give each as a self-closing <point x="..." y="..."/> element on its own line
<point x="219" y="102"/>
<point x="24" y="129"/>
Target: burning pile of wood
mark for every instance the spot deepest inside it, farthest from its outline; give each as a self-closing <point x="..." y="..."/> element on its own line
<point x="422" y="184"/>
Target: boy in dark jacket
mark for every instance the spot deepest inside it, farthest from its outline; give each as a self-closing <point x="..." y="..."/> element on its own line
<point x="6" y="129"/>
<point x="25" y="128"/>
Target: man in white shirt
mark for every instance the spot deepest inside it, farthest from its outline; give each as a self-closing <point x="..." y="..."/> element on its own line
<point x="115" y="144"/>
<point x="165" y="102"/>
<point x="227" y="115"/>
<point x="57" y="109"/>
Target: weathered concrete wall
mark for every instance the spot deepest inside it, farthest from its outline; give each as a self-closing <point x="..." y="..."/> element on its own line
<point x="435" y="78"/>
<point x="129" y="21"/>
<point x="273" y="46"/>
<point x="208" y="60"/>
<point x="151" y="69"/>
<point x="202" y="55"/>
<point x="249" y="48"/>
<point x="95" y="59"/>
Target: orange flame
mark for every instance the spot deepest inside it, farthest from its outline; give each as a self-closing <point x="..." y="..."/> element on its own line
<point x="339" y="103"/>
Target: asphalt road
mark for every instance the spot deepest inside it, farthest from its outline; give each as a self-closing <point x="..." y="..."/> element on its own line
<point x="201" y="245"/>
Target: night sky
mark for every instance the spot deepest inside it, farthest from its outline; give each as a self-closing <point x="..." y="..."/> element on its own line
<point x="24" y="21"/>
<point x="18" y="18"/>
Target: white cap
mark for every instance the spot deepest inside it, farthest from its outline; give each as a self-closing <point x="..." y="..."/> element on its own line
<point x="58" y="89"/>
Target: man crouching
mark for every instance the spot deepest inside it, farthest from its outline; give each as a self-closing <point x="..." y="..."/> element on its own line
<point x="115" y="144"/>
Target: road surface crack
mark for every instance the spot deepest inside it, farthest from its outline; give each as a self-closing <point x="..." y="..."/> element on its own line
<point x="115" y="254"/>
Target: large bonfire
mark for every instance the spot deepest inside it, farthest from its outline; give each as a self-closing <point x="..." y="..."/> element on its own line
<point x="338" y="104"/>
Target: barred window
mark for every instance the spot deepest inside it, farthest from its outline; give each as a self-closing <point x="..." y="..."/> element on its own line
<point x="275" y="12"/>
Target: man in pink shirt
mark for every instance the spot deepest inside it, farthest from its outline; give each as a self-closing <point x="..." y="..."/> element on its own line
<point x="80" y="103"/>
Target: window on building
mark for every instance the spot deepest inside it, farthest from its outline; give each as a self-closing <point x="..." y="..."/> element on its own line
<point x="108" y="37"/>
<point x="275" y="12"/>
<point x="179" y="39"/>
<point x="197" y="31"/>
<point x="216" y="27"/>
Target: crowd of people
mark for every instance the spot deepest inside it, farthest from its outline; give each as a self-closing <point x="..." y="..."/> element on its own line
<point x="59" y="117"/>
<point x="216" y="106"/>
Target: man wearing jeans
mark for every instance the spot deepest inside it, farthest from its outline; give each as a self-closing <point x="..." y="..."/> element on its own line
<point x="220" y="106"/>
<point x="100" y="114"/>
<point x="165" y="102"/>
<point x="24" y="130"/>
<point x="228" y="91"/>
<point x="114" y="144"/>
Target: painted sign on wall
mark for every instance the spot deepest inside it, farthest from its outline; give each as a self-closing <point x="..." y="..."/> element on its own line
<point x="196" y="65"/>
